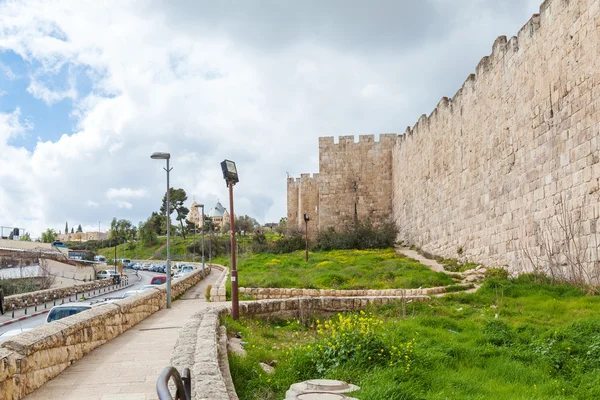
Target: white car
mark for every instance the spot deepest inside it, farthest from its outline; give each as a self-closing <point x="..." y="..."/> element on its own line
<point x="106" y="274"/>
<point x="130" y="293"/>
<point x="186" y="269"/>
<point x="13" y="332"/>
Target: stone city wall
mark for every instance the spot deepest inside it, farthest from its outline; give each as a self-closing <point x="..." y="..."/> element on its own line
<point x="201" y="344"/>
<point x="32" y="358"/>
<point x="488" y="173"/>
<point x="494" y="171"/>
<point x="276" y="293"/>
<point x="354" y="182"/>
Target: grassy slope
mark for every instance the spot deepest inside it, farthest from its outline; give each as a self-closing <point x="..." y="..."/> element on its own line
<point x="338" y="269"/>
<point x="545" y="344"/>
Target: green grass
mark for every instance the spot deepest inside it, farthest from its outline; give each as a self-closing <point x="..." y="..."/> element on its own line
<point x="544" y="344"/>
<point x="338" y="269"/>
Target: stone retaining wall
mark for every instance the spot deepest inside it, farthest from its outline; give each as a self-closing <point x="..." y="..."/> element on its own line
<point x="37" y="297"/>
<point x="198" y="346"/>
<point x="276" y="293"/>
<point x="219" y="290"/>
<point x="32" y="358"/>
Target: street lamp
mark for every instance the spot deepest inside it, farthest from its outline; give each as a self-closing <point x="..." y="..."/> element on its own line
<point x="202" y="206"/>
<point x="167" y="156"/>
<point x="306" y="219"/>
<point x="231" y="178"/>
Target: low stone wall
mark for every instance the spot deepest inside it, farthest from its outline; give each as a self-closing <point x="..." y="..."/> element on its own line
<point x="275" y="293"/>
<point x="37" y="297"/>
<point x="32" y="358"/>
<point x="219" y="290"/>
<point x="198" y="346"/>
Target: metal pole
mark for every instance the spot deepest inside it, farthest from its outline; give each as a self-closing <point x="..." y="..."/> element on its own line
<point x="194" y="247"/>
<point x="167" y="210"/>
<point x="203" y="274"/>
<point x="234" y="273"/>
<point x="306" y="224"/>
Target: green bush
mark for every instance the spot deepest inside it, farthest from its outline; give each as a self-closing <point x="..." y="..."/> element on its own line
<point x="361" y="236"/>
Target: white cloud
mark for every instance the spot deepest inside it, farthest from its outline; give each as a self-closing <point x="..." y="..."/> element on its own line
<point x="126" y="193"/>
<point x="124" y="204"/>
<point x="8" y="72"/>
<point x="216" y="84"/>
<point x="42" y="92"/>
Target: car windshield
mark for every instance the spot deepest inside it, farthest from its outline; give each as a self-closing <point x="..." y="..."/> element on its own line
<point x="63" y="312"/>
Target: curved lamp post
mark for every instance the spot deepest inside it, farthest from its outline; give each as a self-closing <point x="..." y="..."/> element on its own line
<point x="231" y="178"/>
<point x="167" y="156"/>
<point x="202" y="222"/>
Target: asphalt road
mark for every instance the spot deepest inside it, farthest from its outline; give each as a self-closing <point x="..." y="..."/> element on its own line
<point x="40" y="319"/>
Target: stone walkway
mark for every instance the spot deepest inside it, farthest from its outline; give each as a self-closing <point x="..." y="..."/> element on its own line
<point x="434" y="265"/>
<point x="128" y="366"/>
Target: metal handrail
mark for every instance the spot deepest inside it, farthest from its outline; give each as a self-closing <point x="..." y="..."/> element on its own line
<point x="182" y="382"/>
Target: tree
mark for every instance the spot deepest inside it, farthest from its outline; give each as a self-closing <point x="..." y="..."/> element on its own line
<point x="79" y="229"/>
<point x="49" y="236"/>
<point x="281" y="228"/>
<point x="177" y="199"/>
<point x="209" y="225"/>
<point x="121" y="230"/>
<point x="147" y="233"/>
<point x="11" y="235"/>
<point x="66" y="228"/>
<point x="245" y="224"/>
<point x="25" y="238"/>
<point x="72" y="231"/>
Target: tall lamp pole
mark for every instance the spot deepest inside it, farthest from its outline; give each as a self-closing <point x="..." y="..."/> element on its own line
<point x="231" y="178"/>
<point x="167" y="156"/>
<point x="306" y="219"/>
<point x="202" y="222"/>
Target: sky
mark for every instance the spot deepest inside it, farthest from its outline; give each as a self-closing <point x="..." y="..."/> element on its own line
<point x="89" y="90"/>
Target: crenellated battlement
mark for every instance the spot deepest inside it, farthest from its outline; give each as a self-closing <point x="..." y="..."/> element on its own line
<point x="501" y="50"/>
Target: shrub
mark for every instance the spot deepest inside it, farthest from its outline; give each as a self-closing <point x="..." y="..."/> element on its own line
<point x="355" y="339"/>
<point x="207" y="292"/>
<point x="496" y="273"/>
<point x="361" y="236"/>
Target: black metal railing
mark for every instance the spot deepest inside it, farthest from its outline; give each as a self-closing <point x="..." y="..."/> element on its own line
<point x="182" y="382"/>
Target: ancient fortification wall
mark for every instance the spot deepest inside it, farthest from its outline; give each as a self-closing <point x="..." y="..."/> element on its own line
<point x="490" y="172"/>
<point x="354" y="181"/>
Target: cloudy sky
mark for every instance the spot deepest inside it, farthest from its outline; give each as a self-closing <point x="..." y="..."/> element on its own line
<point x="89" y="89"/>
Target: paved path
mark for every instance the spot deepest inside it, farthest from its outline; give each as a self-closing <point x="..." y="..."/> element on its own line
<point x="127" y="367"/>
<point x="434" y="265"/>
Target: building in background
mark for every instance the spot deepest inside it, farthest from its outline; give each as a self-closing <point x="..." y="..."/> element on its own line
<point x="218" y="214"/>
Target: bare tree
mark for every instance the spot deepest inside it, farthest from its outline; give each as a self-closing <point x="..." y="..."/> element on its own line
<point x="565" y="253"/>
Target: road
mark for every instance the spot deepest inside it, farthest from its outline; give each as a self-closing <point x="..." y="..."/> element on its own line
<point x="40" y="319"/>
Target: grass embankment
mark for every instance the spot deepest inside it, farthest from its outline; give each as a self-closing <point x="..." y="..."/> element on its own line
<point x="338" y="269"/>
<point x="179" y="247"/>
<point x="512" y="340"/>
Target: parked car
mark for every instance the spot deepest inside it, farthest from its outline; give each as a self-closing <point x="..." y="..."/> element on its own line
<point x="66" y="310"/>
<point x="186" y="269"/>
<point x="158" y="280"/>
<point x="12" y="332"/>
<point x="130" y="293"/>
<point x="107" y="273"/>
<point x="147" y="287"/>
